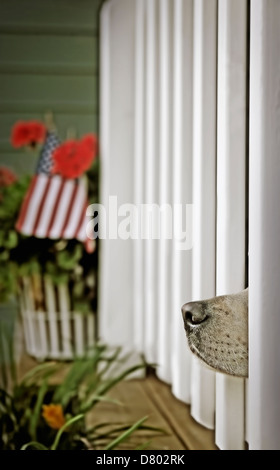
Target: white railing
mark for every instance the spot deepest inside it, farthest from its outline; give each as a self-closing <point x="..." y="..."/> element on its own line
<point x="264" y="233"/>
<point x="175" y="129"/>
<point x="54" y="331"/>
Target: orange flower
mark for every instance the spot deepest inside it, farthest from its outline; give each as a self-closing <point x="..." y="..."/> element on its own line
<point x="53" y="415"/>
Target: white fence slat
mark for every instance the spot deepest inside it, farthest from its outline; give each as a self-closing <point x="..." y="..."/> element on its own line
<point x="90" y="330"/>
<point x="139" y="135"/>
<point x="52" y="315"/>
<point x="230" y="412"/>
<point x="181" y="190"/>
<point x="117" y="143"/>
<point x="150" y="188"/>
<point x="65" y="318"/>
<point x="29" y="312"/>
<point x="42" y="349"/>
<point x="247" y="420"/>
<point x="79" y="339"/>
<point x="23" y="309"/>
<point x="264" y="234"/>
<point x="165" y="125"/>
<point x="204" y="190"/>
<point x="104" y="256"/>
<point x="231" y="197"/>
<point x="202" y="394"/>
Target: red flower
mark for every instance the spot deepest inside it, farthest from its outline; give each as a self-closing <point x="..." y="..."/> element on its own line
<point x="7" y="177"/>
<point x="28" y="133"/>
<point x="74" y="157"/>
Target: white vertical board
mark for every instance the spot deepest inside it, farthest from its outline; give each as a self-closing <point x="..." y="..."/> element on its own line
<point x="30" y="309"/>
<point x="264" y="220"/>
<point x="104" y="145"/>
<point x="52" y="310"/>
<point x="204" y="190"/>
<point x="151" y="179"/>
<point x="116" y="303"/>
<point x="90" y="330"/>
<point x="65" y="319"/>
<point x="231" y="198"/>
<point x="165" y="184"/>
<point x="80" y="346"/>
<point x="138" y="177"/>
<point x="42" y="327"/>
<point x="182" y="190"/>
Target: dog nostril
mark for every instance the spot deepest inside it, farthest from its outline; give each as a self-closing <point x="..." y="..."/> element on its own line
<point x="193" y="313"/>
<point x="190" y="318"/>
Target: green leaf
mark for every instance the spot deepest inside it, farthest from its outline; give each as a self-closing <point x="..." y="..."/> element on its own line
<point x="112" y="382"/>
<point x="70" y="385"/>
<point x="144" y="446"/>
<point x="11" y="240"/>
<point x="78" y="289"/>
<point x="109" y="361"/>
<point x="37" y="409"/>
<point x="80" y="306"/>
<point x="69" y="260"/>
<point x="42" y="370"/>
<point x="97" y="432"/>
<point x="62" y="429"/>
<point x="4" y="256"/>
<point x="126" y="434"/>
<point x="60" y="278"/>
<point x="35" y="445"/>
<point x="85" y="407"/>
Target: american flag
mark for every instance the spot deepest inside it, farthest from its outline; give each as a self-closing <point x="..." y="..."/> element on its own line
<point x="53" y="207"/>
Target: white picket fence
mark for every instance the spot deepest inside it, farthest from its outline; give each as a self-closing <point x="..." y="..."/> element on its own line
<point x="182" y="124"/>
<point x="55" y="332"/>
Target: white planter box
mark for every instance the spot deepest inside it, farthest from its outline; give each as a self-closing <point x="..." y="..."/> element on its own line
<point x="57" y="332"/>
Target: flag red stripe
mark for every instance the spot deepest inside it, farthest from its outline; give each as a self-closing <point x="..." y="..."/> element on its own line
<point x="82" y="219"/>
<point x="55" y="208"/>
<point x="25" y="204"/>
<point x="40" y="212"/>
<point x="71" y="202"/>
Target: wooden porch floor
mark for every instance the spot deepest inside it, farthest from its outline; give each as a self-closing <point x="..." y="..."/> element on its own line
<point x="153" y="398"/>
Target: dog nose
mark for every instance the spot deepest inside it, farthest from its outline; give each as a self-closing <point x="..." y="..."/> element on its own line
<point x="194" y="313"/>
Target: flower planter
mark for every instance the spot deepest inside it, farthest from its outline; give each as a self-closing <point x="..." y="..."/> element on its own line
<point x="51" y="329"/>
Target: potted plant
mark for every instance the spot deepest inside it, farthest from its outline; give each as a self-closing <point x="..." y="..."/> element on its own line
<point x="53" y="273"/>
<point x="49" y="408"/>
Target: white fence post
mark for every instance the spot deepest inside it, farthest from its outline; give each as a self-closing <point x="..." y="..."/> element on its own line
<point x="264" y="234"/>
<point x="231" y="198"/>
<point x="52" y="316"/>
<point x="151" y="178"/>
<point x="165" y="185"/>
<point x="139" y="157"/>
<point x="204" y="190"/>
<point x="65" y="319"/>
<point x="182" y="190"/>
<point x="116" y="307"/>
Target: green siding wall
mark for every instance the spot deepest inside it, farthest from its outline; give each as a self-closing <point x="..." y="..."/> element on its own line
<point x="48" y="61"/>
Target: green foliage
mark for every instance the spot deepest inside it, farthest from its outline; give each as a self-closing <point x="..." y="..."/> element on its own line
<point x="11" y="198"/>
<point x="112" y="445"/>
<point x="86" y="382"/>
<point x="63" y="261"/>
